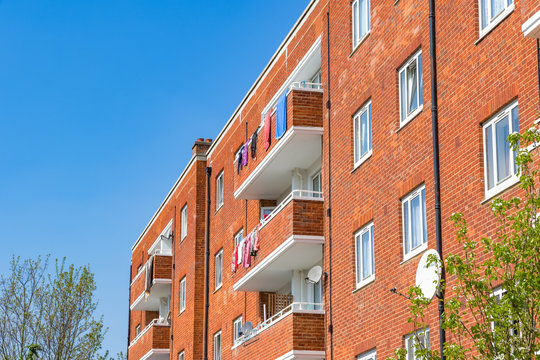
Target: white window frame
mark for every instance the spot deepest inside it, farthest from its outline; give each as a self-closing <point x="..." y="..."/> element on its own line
<point x="181" y="355"/>
<point x="316" y="81"/>
<point x="361" y="282"/>
<point x="368" y="355"/>
<point x="407" y="236"/>
<point x="419" y="86"/>
<point x="493" y="22"/>
<point x="218" y="271"/>
<point x="220" y="186"/>
<point x="183" y="292"/>
<point x="423" y="332"/>
<point x="357" y="37"/>
<point x="359" y="159"/>
<point x="513" y="178"/>
<point x="217" y="349"/>
<point x="137" y="330"/>
<point x="238" y="237"/>
<point x="266" y="208"/>
<point x="237" y="328"/>
<point x="184" y="222"/>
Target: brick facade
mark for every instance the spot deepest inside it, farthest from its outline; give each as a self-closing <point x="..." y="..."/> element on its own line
<point x="478" y="75"/>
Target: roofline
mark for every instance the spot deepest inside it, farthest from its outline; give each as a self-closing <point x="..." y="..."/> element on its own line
<point x="268" y="66"/>
<point x="168" y="197"/>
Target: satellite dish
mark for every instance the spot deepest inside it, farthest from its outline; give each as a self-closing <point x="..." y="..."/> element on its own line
<point x="314" y="275"/>
<point x="247" y="327"/>
<point x="428" y="276"/>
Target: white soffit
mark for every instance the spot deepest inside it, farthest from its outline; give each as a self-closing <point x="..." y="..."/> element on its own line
<point x="160" y="288"/>
<point x="157" y="354"/>
<point x="531" y="27"/>
<point x="298" y="148"/>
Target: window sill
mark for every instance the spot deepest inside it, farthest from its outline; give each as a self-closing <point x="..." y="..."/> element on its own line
<point x="506" y="185"/>
<point x="218" y="288"/>
<point x="362" y="160"/>
<point x="218" y="208"/>
<point x="414" y="253"/>
<point x="411" y="117"/>
<point x="364" y="283"/>
<point x="180" y="313"/>
<point x="494" y="24"/>
<point x="360" y="42"/>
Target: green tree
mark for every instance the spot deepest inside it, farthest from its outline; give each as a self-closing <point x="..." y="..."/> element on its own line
<point x="493" y="306"/>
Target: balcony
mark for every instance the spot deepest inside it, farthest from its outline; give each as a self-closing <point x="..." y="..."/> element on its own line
<point x="531" y="27"/>
<point x="152" y="343"/>
<point x="152" y="284"/>
<point x="296" y="332"/>
<point x="269" y="174"/>
<point x="291" y="238"/>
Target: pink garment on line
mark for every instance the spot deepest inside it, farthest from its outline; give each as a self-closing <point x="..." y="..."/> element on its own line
<point x="247" y="252"/>
<point x="256" y="243"/>
<point x="267" y="130"/>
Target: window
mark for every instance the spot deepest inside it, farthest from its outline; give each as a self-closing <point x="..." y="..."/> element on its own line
<point x="362" y="134"/>
<point x="498" y="294"/>
<point x="184" y="222"/>
<point x="217" y="345"/>
<point x="500" y="170"/>
<point x="183" y="294"/>
<point x="410" y="89"/>
<point x="219" y="269"/>
<point x="365" y="256"/>
<point x="370" y="355"/>
<point x="238" y="237"/>
<point x="219" y="190"/>
<point x="237" y="328"/>
<point x="138" y="330"/>
<point x="181" y="355"/>
<point x="266" y="211"/>
<point x="414" y="223"/>
<point x="316" y="185"/>
<point x="361" y="20"/>
<point x="415" y="341"/>
<point x="492" y="12"/>
<point x="316" y="81"/>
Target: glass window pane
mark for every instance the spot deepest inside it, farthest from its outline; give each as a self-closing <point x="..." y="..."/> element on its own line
<point x="484" y="13"/>
<point x="503" y="149"/>
<point x="370" y="125"/>
<point x="403" y="101"/>
<point x="489" y="157"/>
<point x="355" y="22"/>
<point x="358" y="259"/>
<point x="406" y="226"/>
<point x="364" y="133"/>
<point x="372" y="252"/>
<point x="497" y="6"/>
<point x="362" y="17"/>
<point x="515" y="128"/>
<point x="356" y="139"/>
<point x="366" y="254"/>
<point x="412" y="82"/>
<point x="424" y="239"/>
<point x="420" y="86"/>
<point x="416" y="222"/>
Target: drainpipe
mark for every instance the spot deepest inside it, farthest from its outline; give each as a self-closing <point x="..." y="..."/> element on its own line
<point x="329" y="210"/>
<point x="436" y="167"/>
<point x="129" y="310"/>
<point x="207" y="262"/>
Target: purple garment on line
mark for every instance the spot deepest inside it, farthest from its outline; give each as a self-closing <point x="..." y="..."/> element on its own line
<point x="245" y="154"/>
<point x="247" y="252"/>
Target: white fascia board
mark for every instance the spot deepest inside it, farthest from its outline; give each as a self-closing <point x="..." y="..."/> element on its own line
<point x="531" y="27"/>
<point x="303" y="355"/>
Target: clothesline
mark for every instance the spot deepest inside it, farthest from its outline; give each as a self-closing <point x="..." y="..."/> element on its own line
<point x="248" y="247"/>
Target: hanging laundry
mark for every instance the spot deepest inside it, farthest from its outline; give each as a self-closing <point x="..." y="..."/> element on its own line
<point x="254" y="144"/>
<point x="239" y="160"/>
<point x="245" y="154"/>
<point x="267" y="130"/>
<point x="233" y="264"/>
<point x="247" y="252"/>
<point x="281" y="116"/>
<point x="240" y="252"/>
<point x="256" y="244"/>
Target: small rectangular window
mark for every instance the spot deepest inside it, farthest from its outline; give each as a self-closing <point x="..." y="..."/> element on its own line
<point x="365" y="256"/>
<point x="181" y="355"/>
<point x="316" y="81"/>
<point x="499" y="160"/>
<point x="414" y="223"/>
<point x="238" y="237"/>
<point x="183" y="294"/>
<point x="370" y="355"/>
<point x="219" y="270"/>
<point x="219" y="190"/>
<point x="237" y="328"/>
<point x="184" y="222"/>
<point x="266" y="211"/>
<point x="493" y="12"/>
<point x="217" y="345"/>
<point x="138" y="330"/>
<point x="362" y="134"/>
<point x="416" y="340"/>
<point x="411" y="98"/>
<point x="361" y="20"/>
<point x="316" y="185"/>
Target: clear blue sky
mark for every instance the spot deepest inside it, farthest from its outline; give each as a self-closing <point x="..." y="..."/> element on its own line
<point x="100" y="102"/>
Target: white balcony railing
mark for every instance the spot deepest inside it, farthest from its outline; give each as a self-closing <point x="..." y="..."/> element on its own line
<point x="305" y="85"/>
<point x="295" y="307"/>
<point x="294" y="195"/>
<point x="155" y="322"/>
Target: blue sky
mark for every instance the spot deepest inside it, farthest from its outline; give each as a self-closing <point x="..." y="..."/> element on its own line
<point x="100" y="102"/>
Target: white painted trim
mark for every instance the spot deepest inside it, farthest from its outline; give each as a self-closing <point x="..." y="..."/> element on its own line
<point x="294" y="239"/>
<point x="167" y="228"/>
<point x="161" y="282"/>
<point x="531" y="27"/>
<point x="168" y="197"/>
<point x="301" y="130"/>
<point x="155" y="352"/>
<point x="137" y="300"/>
<point x="493" y="24"/>
<point x="264" y="73"/>
<point x="303" y="355"/>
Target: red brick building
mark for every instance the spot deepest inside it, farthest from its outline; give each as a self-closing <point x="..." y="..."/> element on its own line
<point x="338" y="173"/>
